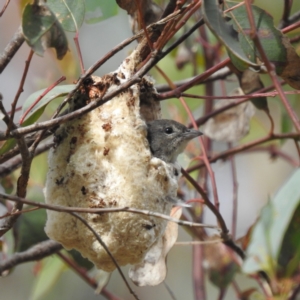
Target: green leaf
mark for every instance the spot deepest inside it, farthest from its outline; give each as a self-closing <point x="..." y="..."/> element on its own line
<point x="70" y="13"/>
<point x="286" y="123"/>
<point x="51" y="270"/>
<point x="289" y="257"/>
<point x="270" y="230"/>
<point x="215" y="21"/>
<point x="9" y="144"/>
<point x="97" y="11"/>
<point x="38" y="109"/>
<point x="42" y="30"/>
<point x="269" y="36"/>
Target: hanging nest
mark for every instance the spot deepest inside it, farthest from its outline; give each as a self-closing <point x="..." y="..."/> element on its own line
<point x="102" y="160"/>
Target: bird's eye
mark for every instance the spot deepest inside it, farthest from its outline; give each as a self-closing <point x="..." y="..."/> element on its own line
<point x="168" y="130"/>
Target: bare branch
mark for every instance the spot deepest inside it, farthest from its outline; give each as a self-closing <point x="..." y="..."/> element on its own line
<point x="241" y="148"/>
<point x="11" y="49"/>
<point x="16" y="162"/>
<point x="34" y="253"/>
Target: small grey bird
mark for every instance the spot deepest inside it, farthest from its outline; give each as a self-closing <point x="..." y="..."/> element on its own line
<point x="168" y="138"/>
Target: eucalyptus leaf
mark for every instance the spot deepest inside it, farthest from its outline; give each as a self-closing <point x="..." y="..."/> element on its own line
<point x="225" y="33"/>
<point x="270" y="230"/>
<point x="286" y="123"/>
<point x="269" y="36"/>
<point x="9" y="144"/>
<point x="70" y="13"/>
<point x="289" y="257"/>
<point x="42" y="30"/>
<point x="38" y="109"/>
<point x="47" y="277"/>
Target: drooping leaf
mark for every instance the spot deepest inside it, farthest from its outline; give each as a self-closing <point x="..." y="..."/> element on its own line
<point x="270" y="230"/>
<point x="42" y="30"/>
<point x="97" y="11"/>
<point x="291" y="70"/>
<point x="232" y="124"/>
<point x="215" y="21"/>
<point x="148" y="10"/>
<point x="102" y="279"/>
<point x="250" y="83"/>
<point x="70" y="13"/>
<point x="276" y="46"/>
<point x="152" y="270"/>
<point x="221" y="264"/>
<point x="38" y="109"/>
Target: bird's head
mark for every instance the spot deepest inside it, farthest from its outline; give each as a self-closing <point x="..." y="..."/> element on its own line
<point x="168" y="138"/>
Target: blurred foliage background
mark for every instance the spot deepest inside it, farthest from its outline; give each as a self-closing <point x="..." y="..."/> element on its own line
<point x="259" y="174"/>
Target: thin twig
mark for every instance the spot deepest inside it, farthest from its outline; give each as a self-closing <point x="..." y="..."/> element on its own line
<point x="185" y="36"/>
<point x="20" y="90"/>
<point x="208" y="242"/>
<point x="85" y="277"/>
<point x="142" y="23"/>
<point x="225" y="233"/>
<point x="234" y="195"/>
<point x="97" y="236"/>
<point x="76" y="37"/>
<point x="65" y="209"/>
<point x="5" y="118"/>
<point x="286" y="13"/>
<point x="151" y="28"/>
<point x="15" y="150"/>
<point x="295" y="293"/>
<point x="196" y="80"/>
<point x="81" y="272"/>
<point x="44" y="93"/>
<point x="171" y="293"/>
<point x="220" y="74"/>
<point x="247" y="96"/>
<point x="241" y="148"/>
<point x="4" y="7"/>
<point x="15" y="162"/>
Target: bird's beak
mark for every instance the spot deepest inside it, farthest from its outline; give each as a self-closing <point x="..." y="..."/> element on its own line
<point x="192" y="133"/>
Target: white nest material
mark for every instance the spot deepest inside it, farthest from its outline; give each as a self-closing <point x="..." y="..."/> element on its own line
<point x="103" y="160"/>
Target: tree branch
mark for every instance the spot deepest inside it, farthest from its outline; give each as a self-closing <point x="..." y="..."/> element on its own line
<point x="34" y="253"/>
<point x="11" y="49"/>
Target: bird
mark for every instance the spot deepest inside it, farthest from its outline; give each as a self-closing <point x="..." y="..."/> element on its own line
<point x="168" y="138"/>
